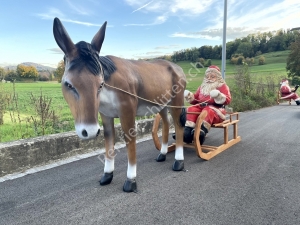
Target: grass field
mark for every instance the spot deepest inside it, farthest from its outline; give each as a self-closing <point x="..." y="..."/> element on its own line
<point x="17" y="123"/>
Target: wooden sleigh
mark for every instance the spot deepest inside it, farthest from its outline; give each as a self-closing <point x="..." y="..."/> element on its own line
<point x="209" y="151"/>
<point x="280" y="99"/>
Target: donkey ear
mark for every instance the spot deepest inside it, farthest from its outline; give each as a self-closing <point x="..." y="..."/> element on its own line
<point x="99" y="38"/>
<point x="62" y="37"/>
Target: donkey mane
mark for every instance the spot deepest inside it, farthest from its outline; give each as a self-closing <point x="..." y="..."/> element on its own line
<point x="89" y="57"/>
<point x="108" y="67"/>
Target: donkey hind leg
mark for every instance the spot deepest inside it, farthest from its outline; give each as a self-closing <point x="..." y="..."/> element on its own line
<point x="128" y="126"/>
<point x="165" y="135"/>
<point x="177" y="115"/>
<point x="109" y="163"/>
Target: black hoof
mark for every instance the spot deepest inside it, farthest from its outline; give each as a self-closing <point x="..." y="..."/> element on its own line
<point x="178" y="165"/>
<point x="106" y="178"/>
<point x="161" y="158"/>
<point x="130" y="185"/>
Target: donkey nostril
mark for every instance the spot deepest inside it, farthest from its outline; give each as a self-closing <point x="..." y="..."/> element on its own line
<point x="84" y="133"/>
<point x="98" y="133"/>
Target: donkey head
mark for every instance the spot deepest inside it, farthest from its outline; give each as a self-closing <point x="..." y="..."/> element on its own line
<point x="82" y="80"/>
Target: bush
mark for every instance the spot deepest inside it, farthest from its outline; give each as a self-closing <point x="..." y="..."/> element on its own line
<point x="261" y="60"/>
<point x="249" y="93"/>
<point x="44" y="77"/>
<point x="208" y="63"/>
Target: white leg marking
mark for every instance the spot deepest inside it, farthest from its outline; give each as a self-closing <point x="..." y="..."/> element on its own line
<point x="131" y="171"/>
<point x="179" y="153"/>
<point x="164" y="148"/>
<point x="109" y="165"/>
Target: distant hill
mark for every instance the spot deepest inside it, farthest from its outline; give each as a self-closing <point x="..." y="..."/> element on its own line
<point x="38" y="67"/>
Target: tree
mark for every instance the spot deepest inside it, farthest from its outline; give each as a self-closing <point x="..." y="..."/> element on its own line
<point x="2" y="73"/>
<point x="11" y="75"/>
<point x="27" y="71"/>
<point x="293" y="60"/>
<point x="245" y="48"/>
<point x="59" y="72"/>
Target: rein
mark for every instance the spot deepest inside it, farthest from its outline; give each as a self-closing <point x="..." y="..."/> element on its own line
<point x="155" y="103"/>
<point x="147" y="100"/>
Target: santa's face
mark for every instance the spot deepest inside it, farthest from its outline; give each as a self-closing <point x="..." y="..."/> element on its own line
<point x="210" y="77"/>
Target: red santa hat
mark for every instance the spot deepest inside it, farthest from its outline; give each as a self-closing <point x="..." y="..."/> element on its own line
<point x="284" y="81"/>
<point x="214" y="69"/>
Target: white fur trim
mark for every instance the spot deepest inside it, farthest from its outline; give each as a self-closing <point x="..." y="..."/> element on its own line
<point x="186" y="92"/>
<point x="218" y="111"/>
<point x="220" y="99"/>
<point x="213" y="70"/>
<point x="190" y="124"/>
<point x="214" y="93"/>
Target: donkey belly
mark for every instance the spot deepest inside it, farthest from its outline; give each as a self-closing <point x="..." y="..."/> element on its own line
<point x="148" y="109"/>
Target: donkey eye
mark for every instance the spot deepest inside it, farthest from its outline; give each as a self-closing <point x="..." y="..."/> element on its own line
<point x="68" y="85"/>
<point x="101" y="86"/>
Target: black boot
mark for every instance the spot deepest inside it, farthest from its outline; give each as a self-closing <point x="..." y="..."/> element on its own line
<point x="174" y="136"/>
<point x="203" y="133"/>
<point x="188" y="134"/>
<point x="298" y="102"/>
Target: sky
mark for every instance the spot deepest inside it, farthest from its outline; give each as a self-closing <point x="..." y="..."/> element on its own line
<point x="135" y="28"/>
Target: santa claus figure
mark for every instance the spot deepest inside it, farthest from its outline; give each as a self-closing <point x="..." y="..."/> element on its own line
<point x="211" y="96"/>
<point x="289" y="93"/>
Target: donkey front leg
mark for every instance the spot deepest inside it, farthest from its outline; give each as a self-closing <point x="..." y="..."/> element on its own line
<point x="109" y="136"/>
<point x="128" y="126"/>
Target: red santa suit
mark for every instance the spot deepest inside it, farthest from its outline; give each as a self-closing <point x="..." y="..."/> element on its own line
<point x="211" y="96"/>
<point x="214" y="107"/>
<point x="286" y="92"/>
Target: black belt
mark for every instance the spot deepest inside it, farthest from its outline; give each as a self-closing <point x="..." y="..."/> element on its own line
<point x="203" y="104"/>
<point x="206" y="104"/>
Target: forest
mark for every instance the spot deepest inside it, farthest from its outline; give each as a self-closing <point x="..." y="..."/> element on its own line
<point x="251" y="46"/>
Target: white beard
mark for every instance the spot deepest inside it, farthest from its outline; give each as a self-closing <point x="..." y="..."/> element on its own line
<point x="206" y="87"/>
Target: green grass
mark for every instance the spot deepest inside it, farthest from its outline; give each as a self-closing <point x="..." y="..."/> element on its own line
<point x="16" y="126"/>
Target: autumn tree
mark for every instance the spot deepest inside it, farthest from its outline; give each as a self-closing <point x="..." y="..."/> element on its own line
<point x="293" y="61"/>
<point x="27" y="71"/>
<point x="59" y="72"/>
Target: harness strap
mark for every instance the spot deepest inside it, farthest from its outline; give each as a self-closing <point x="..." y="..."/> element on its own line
<point x="155" y="103"/>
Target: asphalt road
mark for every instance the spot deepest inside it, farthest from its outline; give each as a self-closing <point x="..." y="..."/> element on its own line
<point x="257" y="181"/>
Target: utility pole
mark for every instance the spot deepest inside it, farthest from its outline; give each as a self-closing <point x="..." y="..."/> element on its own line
<point x="224" y="40"/>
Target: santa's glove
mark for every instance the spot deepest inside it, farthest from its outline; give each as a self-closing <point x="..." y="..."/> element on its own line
<point x="214" y="93"/>
<point x="189" y="96"/>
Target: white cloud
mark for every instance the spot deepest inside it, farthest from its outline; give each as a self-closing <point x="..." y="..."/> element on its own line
<point x="142" y="6"/>
<point x="243" y="17"/>
<point x="56" y="51"/>
<point x="167" y="47"/>
<point x="167" y="9"/>
<point x="53" y="12"/>
<point x="217" y="34"/>
<point x="158" y="20"/>
<point x="78" y="8"/>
